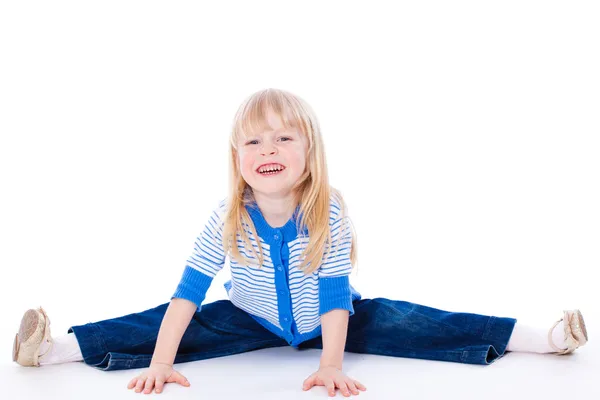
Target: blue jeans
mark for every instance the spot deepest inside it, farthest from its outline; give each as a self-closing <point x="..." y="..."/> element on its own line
<point x="379" y="326"/>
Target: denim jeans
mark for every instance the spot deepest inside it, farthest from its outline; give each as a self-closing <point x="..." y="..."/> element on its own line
<point x="379" y="326"/>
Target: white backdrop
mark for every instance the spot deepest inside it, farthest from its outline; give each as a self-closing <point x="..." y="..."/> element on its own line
<point x="463" y="135"/>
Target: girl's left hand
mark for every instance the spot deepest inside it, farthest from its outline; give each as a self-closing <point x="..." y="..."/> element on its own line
<point x="331" y="378"/>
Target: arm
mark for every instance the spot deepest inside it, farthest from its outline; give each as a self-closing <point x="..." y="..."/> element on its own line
<point x="335" y="296"/>
<point x="335" y="309"/>
<point x="205" y="262"/>
<point x="334" y="325"/>
<point x="173" y="326"/>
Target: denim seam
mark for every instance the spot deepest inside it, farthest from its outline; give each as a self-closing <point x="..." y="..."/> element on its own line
<point x="464" y="355"/>
<point x="386" y="348"/>
<point x="488" y="328"/>
<point x="488" y="335"/>
<point x="99" y="339"/>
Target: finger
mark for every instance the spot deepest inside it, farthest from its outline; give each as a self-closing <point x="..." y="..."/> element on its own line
<point x="330" y="386"/>
<point x="343" y="387"/>
<point x="309" y="382"/>
<point x="149" y="384"/>
<point x="132" y="383"/>
<point x="182" y="380"/>
<point x="352" y="386"/>
<point x="360" y="386"/>
<point x="159" y="385"/>
<point x="140" y="384"/>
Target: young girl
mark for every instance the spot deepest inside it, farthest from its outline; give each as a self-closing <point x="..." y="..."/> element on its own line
<point x="291" y="249"/>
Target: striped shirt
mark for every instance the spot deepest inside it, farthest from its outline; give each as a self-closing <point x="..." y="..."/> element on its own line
<point x="279" y="296"/>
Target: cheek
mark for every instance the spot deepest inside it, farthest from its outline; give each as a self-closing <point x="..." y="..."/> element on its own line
<point x="299" y="159"/>
<point x="246" y="163"/>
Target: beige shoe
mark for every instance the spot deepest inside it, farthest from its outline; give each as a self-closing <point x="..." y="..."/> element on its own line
<point x="575" y="332"/>
<point x="34" y="330"/>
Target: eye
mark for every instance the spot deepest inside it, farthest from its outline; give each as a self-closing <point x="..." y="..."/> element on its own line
<point x="288" y="139"/>
<point x="251" y="142"/>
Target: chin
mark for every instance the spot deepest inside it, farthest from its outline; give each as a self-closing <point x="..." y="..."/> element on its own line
<point x="272" y="190"/>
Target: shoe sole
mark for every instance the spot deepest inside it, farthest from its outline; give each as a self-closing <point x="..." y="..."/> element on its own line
<point x="579" y="321"/>
<point x="34" y="329"/>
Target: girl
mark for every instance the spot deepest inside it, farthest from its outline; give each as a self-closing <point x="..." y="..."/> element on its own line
<point x="291" y="249"/>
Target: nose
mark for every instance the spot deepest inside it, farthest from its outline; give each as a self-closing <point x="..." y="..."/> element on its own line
<point x="268" y="148"/>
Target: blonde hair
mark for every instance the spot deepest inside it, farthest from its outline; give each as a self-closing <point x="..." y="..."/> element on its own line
<point x="312" y="190"/>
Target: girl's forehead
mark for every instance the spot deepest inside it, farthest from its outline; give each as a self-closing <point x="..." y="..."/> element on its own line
<point x="275" y="131"/>
<point x="257" y="122"/>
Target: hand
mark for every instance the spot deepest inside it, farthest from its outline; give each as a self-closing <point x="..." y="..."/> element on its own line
<point x="331" y="377"/>
<point x="158" y="374"/>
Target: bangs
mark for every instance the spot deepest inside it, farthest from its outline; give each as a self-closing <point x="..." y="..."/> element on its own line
<point x="252" y="116"/>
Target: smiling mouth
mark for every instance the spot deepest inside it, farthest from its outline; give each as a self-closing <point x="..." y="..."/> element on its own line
<point x="271" y="173"/>
<point x="270" y="168"/>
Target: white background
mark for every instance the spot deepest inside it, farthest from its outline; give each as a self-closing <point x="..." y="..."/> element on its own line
<point x="463" y="135"/>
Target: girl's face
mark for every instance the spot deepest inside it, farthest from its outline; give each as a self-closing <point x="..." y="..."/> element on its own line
<point x="285" y="149"/>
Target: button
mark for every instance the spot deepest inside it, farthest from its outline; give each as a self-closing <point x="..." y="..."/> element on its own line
<point x="286" y="319"/>
<point x="279" y="268"/>
<point x="276" y="237"/>
<point x="281" y="292"/>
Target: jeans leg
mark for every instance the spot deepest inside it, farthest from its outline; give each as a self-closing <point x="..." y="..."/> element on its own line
<point x="219" y="329"/>
<point x="403" y="329"/>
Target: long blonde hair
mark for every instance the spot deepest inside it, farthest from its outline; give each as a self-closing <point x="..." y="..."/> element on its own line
<point x="312" y="190"/>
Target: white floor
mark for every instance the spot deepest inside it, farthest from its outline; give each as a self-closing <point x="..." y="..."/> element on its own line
<point x="278" y="374"/>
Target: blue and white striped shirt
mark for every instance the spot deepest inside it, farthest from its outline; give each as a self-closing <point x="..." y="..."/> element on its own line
<point x="279" y="295"/>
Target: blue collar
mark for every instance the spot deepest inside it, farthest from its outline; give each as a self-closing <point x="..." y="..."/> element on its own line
<point x="266" y="231"/>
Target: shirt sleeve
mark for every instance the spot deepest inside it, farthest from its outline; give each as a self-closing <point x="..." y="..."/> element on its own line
<point x="206" y="260"/>
<point x="334" y="281"/>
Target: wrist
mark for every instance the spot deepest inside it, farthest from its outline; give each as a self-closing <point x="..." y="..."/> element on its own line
<point x="331" y="360"/>
<point x="161" y="363"/>
<point x="330" y="365"/>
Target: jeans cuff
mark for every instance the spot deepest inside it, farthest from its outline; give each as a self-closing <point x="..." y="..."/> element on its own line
<point x="92" y="345"/>
<point x="498" y="331"/>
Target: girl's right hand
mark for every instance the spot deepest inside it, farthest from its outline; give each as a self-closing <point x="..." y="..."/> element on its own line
<point x="157" y="375"/>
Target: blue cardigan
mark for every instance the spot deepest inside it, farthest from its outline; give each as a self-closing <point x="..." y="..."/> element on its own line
<point x="279" y="295"/>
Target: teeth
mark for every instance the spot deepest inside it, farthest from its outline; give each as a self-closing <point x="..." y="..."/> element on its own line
<point x="270" y="168"/>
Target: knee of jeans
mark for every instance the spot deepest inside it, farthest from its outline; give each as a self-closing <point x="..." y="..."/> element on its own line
<point x="398" y="305"/>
